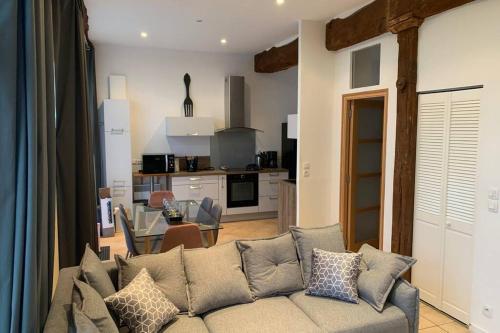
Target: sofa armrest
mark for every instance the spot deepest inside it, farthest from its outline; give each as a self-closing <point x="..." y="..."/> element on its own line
<point x="406" y="297"/>
<point x="60" y="310"/>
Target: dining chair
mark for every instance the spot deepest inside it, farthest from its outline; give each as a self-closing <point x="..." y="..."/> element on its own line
<point x="124" y="213"/>
<point x="132" y="250"/>
<point x="203" y="216"/>
<point x="156" y="198"/>
<point x="216" y="213"/>
<point x="207" y="203"/>
<point x="187" y="234"/>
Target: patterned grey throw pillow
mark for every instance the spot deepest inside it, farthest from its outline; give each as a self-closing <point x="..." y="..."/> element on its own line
<point x="334" y="275"/>
<point x="141" y="305"/>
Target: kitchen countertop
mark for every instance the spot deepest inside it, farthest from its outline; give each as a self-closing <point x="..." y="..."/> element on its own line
<point x="207" y="173"/>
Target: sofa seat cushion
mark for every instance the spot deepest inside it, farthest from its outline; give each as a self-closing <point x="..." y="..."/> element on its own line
<point x="268" y="315"/>
<point x="183" y="324"/>
<point x="180" y="324"/>
<point x="335" y="316"/>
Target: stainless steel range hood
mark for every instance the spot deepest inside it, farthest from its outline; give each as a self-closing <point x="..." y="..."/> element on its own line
<point x="234" y="105"/>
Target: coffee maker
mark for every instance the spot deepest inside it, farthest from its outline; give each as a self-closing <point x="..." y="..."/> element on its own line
<point x="271" y="159"/>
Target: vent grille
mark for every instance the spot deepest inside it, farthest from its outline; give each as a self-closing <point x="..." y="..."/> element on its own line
<point x="462" y="160"/>
<point x="430" y="163"/>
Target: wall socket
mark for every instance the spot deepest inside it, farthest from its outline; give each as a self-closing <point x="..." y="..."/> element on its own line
<point x="306" y="169"/>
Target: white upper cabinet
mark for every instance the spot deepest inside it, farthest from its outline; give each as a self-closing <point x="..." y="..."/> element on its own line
<point x="116" y="116"/>
<point x="190" y="126"/>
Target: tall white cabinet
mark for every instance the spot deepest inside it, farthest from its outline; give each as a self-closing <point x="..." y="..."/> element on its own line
<point x="116" y="147"/>
<point x="445" y="199"/>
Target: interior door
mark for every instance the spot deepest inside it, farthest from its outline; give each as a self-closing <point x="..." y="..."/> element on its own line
<point x="445" y="199"/>
<point x="365" y="189"/>
<point x="463" y="148"/>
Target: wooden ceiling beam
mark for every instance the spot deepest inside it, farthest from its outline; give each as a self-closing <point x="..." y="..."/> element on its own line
<point x="277" y="58"/>
<point x="381" y="16"/>
<point x="368" y="22"/>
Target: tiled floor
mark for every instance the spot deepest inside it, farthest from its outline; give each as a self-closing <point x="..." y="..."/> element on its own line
<point x="434" y="321"/>
<point x="431" y="320"/>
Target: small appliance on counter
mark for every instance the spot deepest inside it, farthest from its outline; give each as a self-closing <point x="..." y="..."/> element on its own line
<point x="170" y="163"/>
<point x="271" y="159"/>
<point x="192" y="163"/>
<point x="154" y="163"/>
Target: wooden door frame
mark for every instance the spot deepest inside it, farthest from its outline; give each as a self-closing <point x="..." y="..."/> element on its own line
<point x="344" y="187"/>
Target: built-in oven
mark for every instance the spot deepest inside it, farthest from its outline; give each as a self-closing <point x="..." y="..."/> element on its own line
<point x="242" y="190"/>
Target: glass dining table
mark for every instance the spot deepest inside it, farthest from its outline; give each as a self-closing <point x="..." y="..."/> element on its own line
<point x="149" y="223"/>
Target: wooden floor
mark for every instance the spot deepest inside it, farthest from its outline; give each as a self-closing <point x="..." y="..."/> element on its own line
<point x="431" y="320"/>
<point x="231" y="231"/>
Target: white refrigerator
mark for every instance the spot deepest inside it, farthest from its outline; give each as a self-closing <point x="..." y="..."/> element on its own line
<point x="116" y="151"/>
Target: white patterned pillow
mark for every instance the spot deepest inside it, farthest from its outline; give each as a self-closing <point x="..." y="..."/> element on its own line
<point x="141" y="305"/>
<point x="334" y="275"/>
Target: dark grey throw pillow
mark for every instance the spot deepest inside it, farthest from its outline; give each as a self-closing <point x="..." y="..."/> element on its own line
<point x="271" y="266"/>
<point x="379" y="272"/>
<point x="166" y="269"/>
<point x="93" y="272"/>
<point x="334" y="275"/>
<point x="89" y="311"/>
<point x="325" y="238"/>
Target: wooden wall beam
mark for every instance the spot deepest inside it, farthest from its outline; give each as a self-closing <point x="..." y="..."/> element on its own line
<point x="368" y="22"/>
<point x="406" y="143"/>
<point x="277" y="58"/>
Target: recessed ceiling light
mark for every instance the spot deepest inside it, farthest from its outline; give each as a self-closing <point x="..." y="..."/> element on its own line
<point x="144" y="34"/>
<point x="223" y="41"/>
<point x="280" y="2"/>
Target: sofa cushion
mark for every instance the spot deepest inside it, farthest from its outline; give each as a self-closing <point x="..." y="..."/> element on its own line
<point x="268" y="315"/>
<point x="271" y="266"/>
<point x="89" y="311"/>
<point x="93" y="272"/>
<point x="335" y="316"/>
<point x="326" y="238"/>
<point x="379" y="272"/>
<point x="183" y="324"/>
<point x="335" y="275"/>
<point x="166" y="269"/>
<point x="141" y="305"/>
<point x="215" y="278"/>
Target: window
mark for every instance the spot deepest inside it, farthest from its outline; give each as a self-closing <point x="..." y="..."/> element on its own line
<point x="365" y="67"/>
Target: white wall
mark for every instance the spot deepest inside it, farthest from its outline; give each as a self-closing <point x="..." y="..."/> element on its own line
<point x="342" y="78"/>
<point x="461" y="48"/>
<point x="156" y="90"/>
<point x="315" y="123"/>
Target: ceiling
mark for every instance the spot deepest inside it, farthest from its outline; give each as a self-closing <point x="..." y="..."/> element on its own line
<point x="249" y="26"/>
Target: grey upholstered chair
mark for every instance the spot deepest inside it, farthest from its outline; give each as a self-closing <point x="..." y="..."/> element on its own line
<point x="216" y="213"/>
<point x="203" y="216"/>
<point x="129" y="237"/>
<point x="207" y="203"/>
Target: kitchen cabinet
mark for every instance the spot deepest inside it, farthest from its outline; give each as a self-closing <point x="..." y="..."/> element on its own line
<point x="268" y="190"/>
<point x="197" y="188"/>
<point x="190" y="126"/>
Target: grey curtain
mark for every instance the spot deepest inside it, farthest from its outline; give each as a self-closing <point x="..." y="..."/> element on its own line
<point x="76" y="185"/>
<point x="27" y="163"/>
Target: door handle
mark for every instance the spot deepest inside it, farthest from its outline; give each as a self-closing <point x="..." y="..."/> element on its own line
<point x="195" y="187"/>
<point x="448" y="224"/>
<point x="194" y="178"/>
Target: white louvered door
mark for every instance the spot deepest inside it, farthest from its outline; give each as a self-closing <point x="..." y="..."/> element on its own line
<point x="445" y="194"/>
